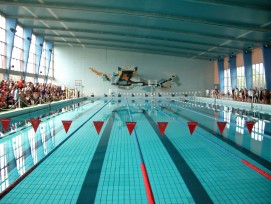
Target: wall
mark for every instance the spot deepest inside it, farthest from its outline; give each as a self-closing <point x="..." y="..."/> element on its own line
<point x="72" y="64"/>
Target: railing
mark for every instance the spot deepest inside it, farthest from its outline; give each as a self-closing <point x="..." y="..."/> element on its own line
<point x="21" y="104"/>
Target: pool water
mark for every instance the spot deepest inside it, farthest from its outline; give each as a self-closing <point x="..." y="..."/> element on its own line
<point x="82" y="166"/>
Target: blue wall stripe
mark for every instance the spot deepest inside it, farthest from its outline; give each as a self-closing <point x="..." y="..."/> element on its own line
<point x="232" y="64"/>
<point x="267" y="65"/>
<point x="247" y="56"/>
<point x="220" y="65"/>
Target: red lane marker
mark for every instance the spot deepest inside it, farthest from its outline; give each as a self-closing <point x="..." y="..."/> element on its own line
<point x="98" y="125"/>
<point x="221" y="126"/>
<point x="130" y="126"/>
<point x="162" y="127"/>
<point x="5" y="123"/>
<point x="147" y="184"/>
<point x="35" y="123"/>
<point x="265" y="174"/>
<point x="250" y="126"/>
<point x="192" y="126"/>
<point x="66" y="124"/>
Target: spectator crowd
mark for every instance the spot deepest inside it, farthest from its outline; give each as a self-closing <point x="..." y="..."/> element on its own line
<point x="28" y="93"/>
<point x="254" y="95"/>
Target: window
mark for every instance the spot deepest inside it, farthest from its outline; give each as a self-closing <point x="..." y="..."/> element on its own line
<point x="29" y="79"/>
<point x="227" y="81"/>
<point x="31" y="64"/>
<point x="14" y="77"/>
<point x="43" y="61"/>
<point x="258" y="76"/>
<point x="241" y="80"/>
<point x="41" y="79"/>
<point x="51" y="68"/>
<point x="17" y="51"/>
<point x="2" y="42"/>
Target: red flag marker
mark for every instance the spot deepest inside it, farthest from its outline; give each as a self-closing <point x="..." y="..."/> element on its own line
<point x="130" y="126"/>
<point x="192" y="126"/>
<point x="66" y="124"/>
<point x="162" y="127"/>
<point x="250" y="126"/>
<point x="98" y="125"/>
<point x="35" y="123"/>
<point x="221" y="126"/>
<point x="5" y="123"/>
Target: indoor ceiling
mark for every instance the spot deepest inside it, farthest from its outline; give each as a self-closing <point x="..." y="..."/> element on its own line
<point x="203" y="29"/>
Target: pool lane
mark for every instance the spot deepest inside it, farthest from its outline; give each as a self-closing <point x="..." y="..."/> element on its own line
<point x="225" y="178"/>
<point x="121" y="180"/>
<point x="192" y="182"/>
<point x="167" y="184"/>
<point x="25" y="149"/>
<point x="236" y="136"/>
<point x="90" y="185"/>
<point x="257" y="142"/>
<point x="59" y="178"/>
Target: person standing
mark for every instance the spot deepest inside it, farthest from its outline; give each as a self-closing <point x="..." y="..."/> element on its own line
<point x="207" y="92"/>
<point x="15" y="94"/>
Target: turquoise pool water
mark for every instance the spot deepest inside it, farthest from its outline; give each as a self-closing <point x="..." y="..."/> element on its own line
<point x="80" y="166"/>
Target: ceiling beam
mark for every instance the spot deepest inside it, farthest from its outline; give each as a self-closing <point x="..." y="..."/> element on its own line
<point x="147" y="37"/>
<point x="122" y="25"/>
<point x="133" y="43"/>
<point x="139" y="49"/>
<point x="220" y="37"/>
<point x="255" y="6"/>
<point x="148" y="14"/>
<point x="119" y="34"/>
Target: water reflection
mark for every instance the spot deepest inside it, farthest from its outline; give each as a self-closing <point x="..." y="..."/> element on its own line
<point x="4" y="168"/>
<point x="25" y="149"/>
<point x="20" y="122"/>
<point x="227" y="116"/>
<point x="17" y="146"/>
<point x="240" y="124"/>
<point x="258" y="130"/>
<point x="257" y="142"/>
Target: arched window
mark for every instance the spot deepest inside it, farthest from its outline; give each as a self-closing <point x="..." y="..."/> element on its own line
<point x="241" y="80"/>
<point x="17" y="51"/>
<point x="43" y="62"/>
<point x="227" y="81"/>
<point x="31" y="64"/>
<point x="258" y="76"/>
<point x="2" y="42"/>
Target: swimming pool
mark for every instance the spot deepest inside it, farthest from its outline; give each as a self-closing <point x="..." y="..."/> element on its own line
<point x="81" y="166"/>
